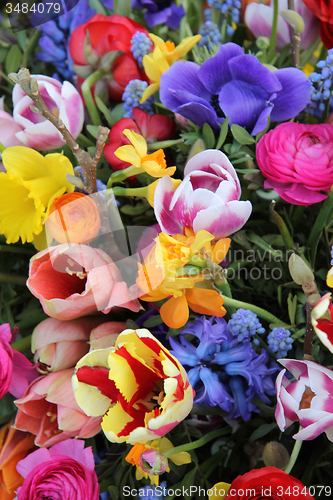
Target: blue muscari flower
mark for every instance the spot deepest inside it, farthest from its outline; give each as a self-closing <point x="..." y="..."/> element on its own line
<point x="210" y="35"/>
<point x="141" y="46"/>
<point x="279" y="341"/>
<point x="244" y="324"/>
<point x="229" y="8"/>
<point x="132" y="95"/>
<point x="208" y="14"/>
<point x="322" y="86"/>
<point x="152" y="492"/>
<point x="222" y="370"/>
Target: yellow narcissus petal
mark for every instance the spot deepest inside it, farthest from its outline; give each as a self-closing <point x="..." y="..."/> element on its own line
<point x="185" y="46"/>
<point x="329" y="278"/>
<point x="219" y="491"/>
<point x="201" y="239"/>
<point x="24" y="162"/>
<point x="152" y="70"/>
<point x="178" y="458"/>
<point x="128" y="153"/>
<point x="157" y="41"/>
<point x="59" y="165"/>
<point x="220" y="250"/>
<point x="149" y="91"/>
<point x="138" y="142"/>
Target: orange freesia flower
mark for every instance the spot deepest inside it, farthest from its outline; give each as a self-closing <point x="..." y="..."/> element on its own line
<point x="164" y="273"/>
<point x="163" y="445"/>
<point x="14" y="446"/>
<point x="74" y="218"/>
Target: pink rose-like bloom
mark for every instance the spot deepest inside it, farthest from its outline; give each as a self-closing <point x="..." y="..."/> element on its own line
<point x="64" y="471"/>
<point x="16" y="371"/>
<point x="77" y="280"/>
<point x="49" y="410"/>
<point x="62" y="99"/>
<point x="297" y="160"/>
<point x="207" y="199"/>
<point x="309" y="399"/>
<point x="8" y="129"/>
<point x="58" y="345"/>
<point x="259" y="18"/>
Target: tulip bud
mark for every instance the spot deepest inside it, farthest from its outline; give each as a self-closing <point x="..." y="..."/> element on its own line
<point x="89" y="53"/>
<point x="299" y="270"/>
<point x="105" y="335"/>
<point x="153" y="462"/>
<point x="275" y="455"/>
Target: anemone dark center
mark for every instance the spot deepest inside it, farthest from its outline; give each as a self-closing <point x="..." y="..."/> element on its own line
<point x="214" y="101"/>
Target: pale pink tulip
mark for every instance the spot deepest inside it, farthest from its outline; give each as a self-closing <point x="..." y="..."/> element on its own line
<point x="207" y="199"/>
<point x="259" y="18"/>
<point x="105" y="335"/>
<point x="8" y="129"/>
<point x="76" y="280"/>
<point x="309" y="399"/>
<point x="49" y="410"/>
<point x="62" y="99"/>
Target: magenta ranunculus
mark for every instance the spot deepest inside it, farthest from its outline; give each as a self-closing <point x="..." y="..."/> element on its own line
<point x="297" y="160"/>
<point x="207" y="198"/>
<point x="67" y="470"/>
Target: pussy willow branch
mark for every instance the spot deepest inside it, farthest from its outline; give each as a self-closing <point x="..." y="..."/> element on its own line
<point x="295" y="40"/>
<point x="88" y="163"/>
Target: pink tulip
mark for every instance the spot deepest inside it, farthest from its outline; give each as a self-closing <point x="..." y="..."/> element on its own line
<point x="207" y="198"/>
<point x="309" y="399"/>
<point x="62" y="99"/>
<point x="8" y="129"/>
<point x="77" y="280"/>
<point x="286" y="156"/>
<point x="49" y="410"/>
<point x="58" y="345"/>
<point x="16" y="372"/>
<point x="259" y="18"/>
<point x="105" y="335"/>
<point x="66" y="470"/>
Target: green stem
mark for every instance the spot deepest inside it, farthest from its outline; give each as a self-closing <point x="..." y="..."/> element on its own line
<point x="197" y="443"/>
<point x="121" y="175"/>
<point x="30" y="46"/>
<point x="12" y="279"/>
<point x="286" y="236"/>
<point x="153" y="146"/>
<point x="257" y="310"/>
<point x="86" y="92"/>
<point x="271" y="52"/>
<point x="294" y="455"/>
<point x="22" y="344"/>
<point x="140" y="192"/>
<point x="319" y="224"/>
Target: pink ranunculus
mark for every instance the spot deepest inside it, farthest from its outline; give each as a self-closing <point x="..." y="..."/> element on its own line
<point x="8" y="129"/>
<point x="49" y="410"/>
<point x="309" y="399"/>
<point x="78" y="280"/>
<point x="259" y="18"/>
<point x="62" y="99"/>
<point x="105" y="335"/>
<point x="16" y="371"/>
<point x="66" y="470"/>
<point x="58" y="345"/>
<point x="207" y="199"/>
<point x="297" y="160"/>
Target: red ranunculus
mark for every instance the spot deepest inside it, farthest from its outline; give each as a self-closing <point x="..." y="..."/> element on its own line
<point x="321" y="8"/>
<point x="107" y="34"/>
<point x="326" y="33"/>
<point x="152" y="127"/>
<point x="269" y="483"/>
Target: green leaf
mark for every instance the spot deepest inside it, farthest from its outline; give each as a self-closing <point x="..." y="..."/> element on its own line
<point x="262" y="431"/>
<point x="93" y="130"/>
<point x="22" y="39"/>
<point x="114" y="494"/>
<point x="223" y="133"/>
<point x="3" y="52"/>
<point x="241" y="135"/>
<point x="13" y="59"/>
<point x="294" y="19"/>
<point x="208" y="136"/>
<point x="292" y="306"/>
<point x="154" y="321"/>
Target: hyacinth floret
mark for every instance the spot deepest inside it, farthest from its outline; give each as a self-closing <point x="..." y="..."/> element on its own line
<point x="132" y="95"/>
<point x="279" y="342"/>
<point x="210" y="35"/>
<point x="229" y="8"/>
<point x="321" y="84"/>
<point x="140" y="46"/>
<point x="149" y="492"/>
<point x="222" y="370"/>
<point x="244" y="324"/>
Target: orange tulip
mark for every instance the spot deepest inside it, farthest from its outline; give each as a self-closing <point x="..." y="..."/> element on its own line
<point x="14" y="446"/>
<point x="74" y="218"/>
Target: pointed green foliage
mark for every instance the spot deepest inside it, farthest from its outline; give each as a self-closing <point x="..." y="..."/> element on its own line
<point x="292" y="306"/>
<point x="106" y="112"/>
<point x="241" y="135"/>
<point x="13" y="59"/>
<point x="223" y="133"/>
<point x="208" y="136"/>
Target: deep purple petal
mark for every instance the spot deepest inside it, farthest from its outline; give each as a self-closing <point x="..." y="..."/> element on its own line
<point x="215" y="72"/>
<point x="200" y="114"/>
<point x="293" y="97"/>
<point x="248" y="68"/>
<point x="263" y="119"/>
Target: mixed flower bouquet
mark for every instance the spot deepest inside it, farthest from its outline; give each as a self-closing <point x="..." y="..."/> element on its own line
<point x="166" y="221"/>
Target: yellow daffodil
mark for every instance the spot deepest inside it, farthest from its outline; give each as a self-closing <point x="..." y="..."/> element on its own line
<point x="27" y="188"/>
<point x="154" y="164"/>
<point x="162" y="57"/>
<point x="219" y="491"/>
<point x="168" y="270"/>
<point x="162" y="445"/>
<point x="329" y="278"/>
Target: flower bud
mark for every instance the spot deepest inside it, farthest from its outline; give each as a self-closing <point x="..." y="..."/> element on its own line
<point x="153" y="462"/>
<point x="275" y="455"/>
<point x="299" y="270"/>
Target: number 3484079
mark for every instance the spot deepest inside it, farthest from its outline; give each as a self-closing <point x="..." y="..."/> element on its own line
<point x="25" y="8"/>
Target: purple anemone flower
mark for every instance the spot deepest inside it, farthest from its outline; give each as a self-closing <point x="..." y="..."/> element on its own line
<point x="237" y="85"/>
<point x="160" y="12"/>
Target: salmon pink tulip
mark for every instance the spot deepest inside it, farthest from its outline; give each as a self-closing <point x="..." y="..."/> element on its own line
<point x="139" y="388"/>
<point x="76" y="280"/>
